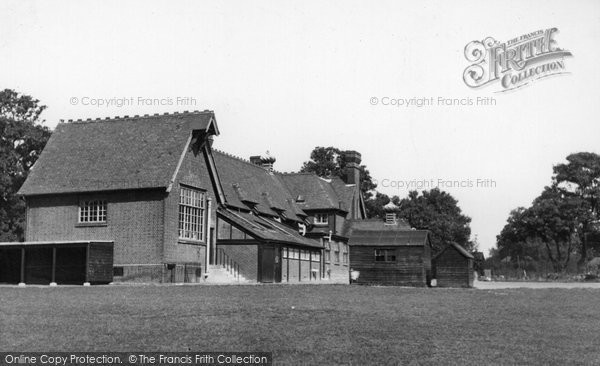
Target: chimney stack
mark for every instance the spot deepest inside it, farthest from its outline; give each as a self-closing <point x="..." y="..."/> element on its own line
<point x="352" y="170"/>
<point x="266" y="160"/>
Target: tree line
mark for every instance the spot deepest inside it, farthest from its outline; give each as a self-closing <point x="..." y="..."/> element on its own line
<point x="561" y="225"/>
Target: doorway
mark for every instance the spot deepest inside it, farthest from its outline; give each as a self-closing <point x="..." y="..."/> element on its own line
<point x="269" y="264"/>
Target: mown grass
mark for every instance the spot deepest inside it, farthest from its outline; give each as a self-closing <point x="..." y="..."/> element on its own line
<point x="311" y="324"/>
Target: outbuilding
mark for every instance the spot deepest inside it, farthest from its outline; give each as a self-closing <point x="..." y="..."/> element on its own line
<point x="56" y="262"/>
<point x="453" y="267"/>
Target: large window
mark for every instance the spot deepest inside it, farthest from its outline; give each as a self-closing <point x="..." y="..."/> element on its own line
<point x="345" y="253"/>
<point x="385" y="255"/>
<point x="321" y="219"/>
<point x="92" y="211"/>
<point x="191" y="213"/>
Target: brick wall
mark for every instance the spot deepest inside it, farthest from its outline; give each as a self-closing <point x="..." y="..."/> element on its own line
<point x="336" y="271"/>
<point x="134" y="222"/>
<point x="142" y="223"/>
<point x="193" y="173"/>
<point x="294" y="265"/>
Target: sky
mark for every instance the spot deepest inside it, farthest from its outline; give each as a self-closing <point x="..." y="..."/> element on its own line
<point x="286" y="76"/>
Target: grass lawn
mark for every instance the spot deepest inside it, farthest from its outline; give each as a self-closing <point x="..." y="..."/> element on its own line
<point x="327" y="324"/>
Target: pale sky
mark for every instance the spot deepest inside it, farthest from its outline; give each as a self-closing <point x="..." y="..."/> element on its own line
<point x="286" y="76"/>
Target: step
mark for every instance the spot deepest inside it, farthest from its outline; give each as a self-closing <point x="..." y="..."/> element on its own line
<point x="219" y="274"/>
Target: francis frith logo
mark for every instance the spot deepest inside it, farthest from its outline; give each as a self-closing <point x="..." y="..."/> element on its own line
<point x="516" y="62"/>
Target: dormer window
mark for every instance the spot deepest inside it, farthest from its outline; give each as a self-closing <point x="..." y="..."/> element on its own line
<point x="321" y="219"/>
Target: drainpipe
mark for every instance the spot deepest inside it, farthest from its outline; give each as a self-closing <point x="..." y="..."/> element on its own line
<point x="208" y="245"/>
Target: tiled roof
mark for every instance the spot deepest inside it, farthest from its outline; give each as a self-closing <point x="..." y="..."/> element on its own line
<point x="318" y="193"/>
<point x="117" y="153"/>
<point x="246" y="184"/>
<point x="264" y="229"/>
<point x="388" y="237"/>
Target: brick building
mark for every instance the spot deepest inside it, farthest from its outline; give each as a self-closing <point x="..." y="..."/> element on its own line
<point x="176" y="210"/>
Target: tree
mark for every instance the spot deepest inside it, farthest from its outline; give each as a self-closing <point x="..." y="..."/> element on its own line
<point x="374" y="206"/>
<point x="329" y="162"/>
<point x="550" y="225"/>
<point x="581" y="176"/>
<point x="22" y="138"/>
<point x="438" y="212"/>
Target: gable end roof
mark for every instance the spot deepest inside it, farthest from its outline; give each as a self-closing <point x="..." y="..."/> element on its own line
<point x="113" y="154"/>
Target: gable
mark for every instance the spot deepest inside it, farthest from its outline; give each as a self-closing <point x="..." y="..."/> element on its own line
<point x="457" y="248"/>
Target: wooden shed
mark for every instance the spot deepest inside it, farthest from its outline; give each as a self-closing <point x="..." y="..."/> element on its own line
<point x="56" y="262"/>
<point x="453" y="267"/>
<point x="391" y="257"/>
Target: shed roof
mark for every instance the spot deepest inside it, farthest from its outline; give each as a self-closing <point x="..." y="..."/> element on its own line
<point x="456" y="247"/>
<point x="375" y="224"/>
<point x="116" y="153"/>
<point x="53" y="243"/>
<point x="389" y="238"/>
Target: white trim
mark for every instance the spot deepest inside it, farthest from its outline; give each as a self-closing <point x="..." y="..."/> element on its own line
<point x="185" y="150"/>
<point x="212" y="168"/>
<point x="208" y="244"/>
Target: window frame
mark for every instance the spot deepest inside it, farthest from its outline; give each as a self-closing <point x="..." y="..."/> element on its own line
<point x="96" y="206"/>
<point x="321" y="219"/>
<point x="388" y="255"/>
<point x="193" y="226"/>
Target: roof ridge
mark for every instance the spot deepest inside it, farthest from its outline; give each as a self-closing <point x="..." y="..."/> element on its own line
<point x="244" y="160"/>
<point x="137" y="116"/>
<point x="299" y="173"/>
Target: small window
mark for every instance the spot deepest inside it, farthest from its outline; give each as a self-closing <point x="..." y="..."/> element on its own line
<point x="284" y="253"/>
<point x="327" y="251"/>
<point x="92" y="211"/>
<point x="345" y="253"/>
<point x="385" y="255"/>
<point x="321" y="219"/>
